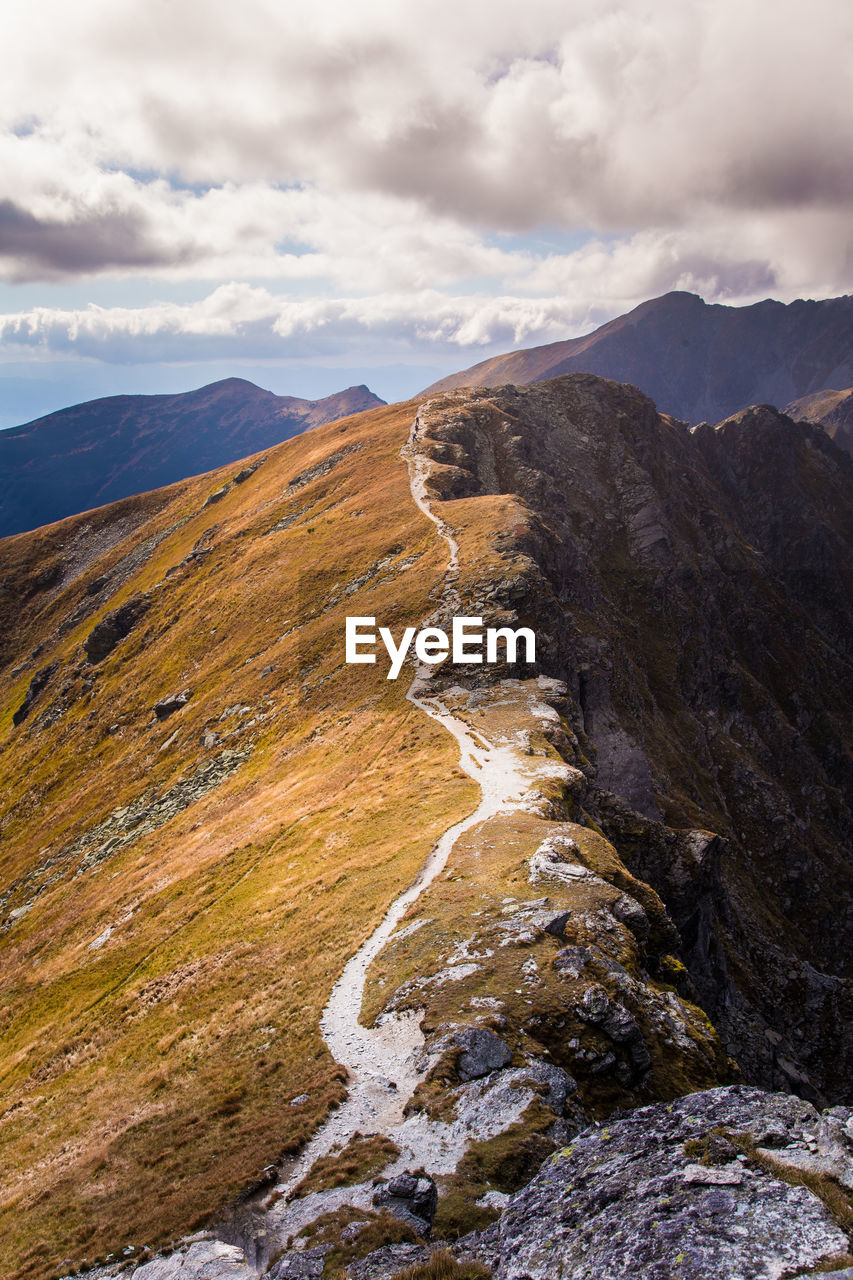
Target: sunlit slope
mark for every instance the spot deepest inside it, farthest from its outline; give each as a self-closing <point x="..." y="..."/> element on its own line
<point x="178" y="894"/>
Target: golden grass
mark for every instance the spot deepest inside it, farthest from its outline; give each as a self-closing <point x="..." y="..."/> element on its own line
<point x="357" y="1161"/>
<point x="443" y="1266"/>
<point x="159" y="1067"/>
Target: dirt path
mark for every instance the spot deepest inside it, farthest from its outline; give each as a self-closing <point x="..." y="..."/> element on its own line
<point x="382" y="1061"/>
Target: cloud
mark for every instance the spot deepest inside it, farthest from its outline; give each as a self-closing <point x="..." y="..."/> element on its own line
<point x="590" y="115"/>
<point x="238" y="320"/>
<point x="91" y="241"/>
<point x="378" y="146"/>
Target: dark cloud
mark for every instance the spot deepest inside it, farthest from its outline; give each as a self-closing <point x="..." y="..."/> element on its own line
<point x="37" y="248"/>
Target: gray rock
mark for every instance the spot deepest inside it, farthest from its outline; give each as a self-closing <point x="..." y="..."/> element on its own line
<point x="243" y="475"/>
<point x="482" y="1052"/>
<point x="353" y="1230"/>
<point x="114" y="627"/>
<point x="217" y="495"/>
<point x="616" y="1202"/>
<point x="557" y="926"/>
<point x="617" y="1024"/>
<point x="572" y="961"/>
<point x="38" y="682"/>
<point x="203" y="1260"/>
<point x="167" y="706"/>
<point x="411" y="1198"/>
<point x="628" y="911"/>
<point x="306" y="1265"/>
<point x="388" y="1261"/>
<point x="560" y="1083"/>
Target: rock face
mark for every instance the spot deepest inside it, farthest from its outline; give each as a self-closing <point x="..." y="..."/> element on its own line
<point x="97" y="452"/>
<point x="696" y="361"/>
<point x="832" y="410"/>
<point x="681" y="1189"/>
<point x="204" y="1260"/>
<point x="695" y="593"/>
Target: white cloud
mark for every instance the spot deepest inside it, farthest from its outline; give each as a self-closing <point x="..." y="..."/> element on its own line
<point x="366" y="154"/>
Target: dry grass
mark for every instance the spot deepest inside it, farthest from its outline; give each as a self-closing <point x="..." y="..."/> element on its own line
<point x="379" y="1229"/>
<point x="443" y="1266"/>
<point x="159" y="1067"/>
<point x="356" y="1162"/>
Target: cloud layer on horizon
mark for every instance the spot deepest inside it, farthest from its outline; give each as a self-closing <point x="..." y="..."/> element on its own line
<point x="508" y="173"/>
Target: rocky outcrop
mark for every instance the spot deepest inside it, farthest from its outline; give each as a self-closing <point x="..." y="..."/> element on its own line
<point x="694" y="592"/>
<point x="173" y="702"/>
<point x="39" y="681"/>
<point x="711" y="1185"/>
<point x="113" y="628"/>
<point x="410" y="1197"/>
<point x="202" y="1260"/>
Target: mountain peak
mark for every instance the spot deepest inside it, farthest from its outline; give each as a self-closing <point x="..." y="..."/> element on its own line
<point x="89" y="454"/>
<point x="698" y="361"/>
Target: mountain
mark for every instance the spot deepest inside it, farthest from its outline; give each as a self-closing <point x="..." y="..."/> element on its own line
<point x="317" y="961"/>
<point x="98" y="452"/>
<point x="698" y="362"/>
<point x="832" y="410"/>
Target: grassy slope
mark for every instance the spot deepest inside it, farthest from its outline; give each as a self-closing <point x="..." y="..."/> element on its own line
<point x="144" y="1081"/>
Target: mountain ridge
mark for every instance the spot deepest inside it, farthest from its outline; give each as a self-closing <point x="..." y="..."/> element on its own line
<point x="697" y="361"/>
<point x="102" y="450"/>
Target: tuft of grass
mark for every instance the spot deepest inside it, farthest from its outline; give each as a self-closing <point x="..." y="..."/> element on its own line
<point x="443" y="1266"/>
<point x="356" y="1162"/>
<point x="458" y="1213"/>
<point x="379" y="1229"/>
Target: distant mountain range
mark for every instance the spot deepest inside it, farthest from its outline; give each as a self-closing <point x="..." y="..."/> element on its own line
<point x="697" y="361"/>
<point x="103" y="450"/>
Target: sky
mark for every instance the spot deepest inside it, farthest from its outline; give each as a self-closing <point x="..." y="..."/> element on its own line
<point x="317" y="194"/>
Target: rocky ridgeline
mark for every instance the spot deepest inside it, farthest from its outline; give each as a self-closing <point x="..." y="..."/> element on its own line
<point x="653" y="918"/>
<point x="693" y="591"/>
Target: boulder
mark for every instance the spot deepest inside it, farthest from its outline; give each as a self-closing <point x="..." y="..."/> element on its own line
<point x="167" y="706"/>
<point x="482" y="1052"/>
<point x="411" y="1197"/>
<point x="631" y="1200"/>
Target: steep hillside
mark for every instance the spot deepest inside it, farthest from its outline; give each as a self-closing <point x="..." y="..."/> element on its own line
<point x="95" y="453"/>
<point x="697" y="361"/>
<point x="832" y="410"/>
<point x="629" y="877"/>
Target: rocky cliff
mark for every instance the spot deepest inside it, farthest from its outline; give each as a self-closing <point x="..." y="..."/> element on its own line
<point x="94" y="453"/>
<point x="696" y="360"/>
<point x="631" y="886"/>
